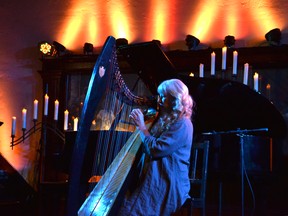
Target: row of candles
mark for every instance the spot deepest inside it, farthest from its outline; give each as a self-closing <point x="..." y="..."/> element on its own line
<point x="201" y="74"/>
<point x="234" y="68"/>
<point x="35" y="115"/>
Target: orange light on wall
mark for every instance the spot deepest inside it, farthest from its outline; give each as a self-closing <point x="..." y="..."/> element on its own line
<point x="161" y="25"/>
<point x="120" y="20"/>
<point x="201" y="22"/>
<point x="159" y="20"/>
<point x="270" y="19"/>
<point x="80" y="24"/>
<point x="167" y="21"/>
<point x="71" y="33"/>
<point x="92" y="29"/>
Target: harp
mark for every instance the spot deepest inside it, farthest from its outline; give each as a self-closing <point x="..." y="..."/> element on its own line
<point x="106" y="78"/>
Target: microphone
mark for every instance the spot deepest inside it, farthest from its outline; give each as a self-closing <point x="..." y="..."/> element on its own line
<point x="149" y="112"/>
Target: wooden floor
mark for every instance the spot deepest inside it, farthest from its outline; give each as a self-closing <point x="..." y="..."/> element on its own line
<point x="266" y="196"/>
<point x="52" y="200"/>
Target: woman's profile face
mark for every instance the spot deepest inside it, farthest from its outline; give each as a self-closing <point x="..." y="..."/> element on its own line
<point x="165" y="101"/>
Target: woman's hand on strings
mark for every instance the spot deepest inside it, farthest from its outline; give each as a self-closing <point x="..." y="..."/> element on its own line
<point x="138" y="118"/>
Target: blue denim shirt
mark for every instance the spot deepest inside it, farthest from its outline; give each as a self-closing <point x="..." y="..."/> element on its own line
<point x="165" y="183"/>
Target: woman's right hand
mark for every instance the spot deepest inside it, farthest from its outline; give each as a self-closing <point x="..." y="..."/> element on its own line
<point x="138" y="119"/>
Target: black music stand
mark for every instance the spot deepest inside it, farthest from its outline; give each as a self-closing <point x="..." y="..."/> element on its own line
<point x="241" y="134"/>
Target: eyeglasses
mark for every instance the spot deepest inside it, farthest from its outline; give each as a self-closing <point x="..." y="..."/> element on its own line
<point x="161" y="98"/>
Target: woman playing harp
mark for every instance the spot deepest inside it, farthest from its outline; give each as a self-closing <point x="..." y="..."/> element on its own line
<point x="163" y="185"/>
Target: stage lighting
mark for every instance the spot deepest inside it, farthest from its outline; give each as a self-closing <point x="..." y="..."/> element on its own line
<point x="61" y="49"/>
<point x="229" y="41"/>
<point x="192" y="42"/>
<point x="273" y="37"/>
<point x="46" y="48"/>
<point x="121" y="42"/>
<point x="157" y="42"/>
<point x="88" y="48"/>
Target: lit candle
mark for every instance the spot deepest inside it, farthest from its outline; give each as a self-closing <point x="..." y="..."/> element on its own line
<point x="213" y="63"/>
<point x="46" y="98"/>
<point x="268" y="91"/>
<point x="66" y="113"/>
<point x="56" y="108"/>
<point x="94" y="122"/>
<point x="191" y="74"/>
<point x="24" y="118"/>
<point x="201" y="70"/>
<point x="75" y="124"/>
<point x="224" y="57"/>
<point x="256" y="80"/>
<point x="246" y="69"/>
<point x="13" y="126"/>
<point x="35" y="114"/>
<point x="235" y="59"/>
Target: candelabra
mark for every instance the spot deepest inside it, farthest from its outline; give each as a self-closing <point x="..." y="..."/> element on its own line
<point x="38" y="126"/>
<point x="42" y="127"/>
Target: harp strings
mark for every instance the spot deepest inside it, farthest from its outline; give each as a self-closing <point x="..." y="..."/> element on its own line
<point x="114" y="128"/>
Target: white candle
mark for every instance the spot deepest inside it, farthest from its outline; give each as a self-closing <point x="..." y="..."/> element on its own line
<point x="213" y="63"/>
<point x="56" y="109"/>
<point x="256" y="80"/>
<point x="201" y="70"/>
<point x="24" y="118"/>
<point x="246" y="69"/>
<point x="224" y="57"/>
<point x="13" y="126"/>
<point x="66" y="113"/>
<point x="35" y="114"/>
<point x="235" y="59"/>
<point x="75" y="124"/>
<point x="46" y="98"/>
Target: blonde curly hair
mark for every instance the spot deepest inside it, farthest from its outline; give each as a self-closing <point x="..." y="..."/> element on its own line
<point x="183" y="103"/>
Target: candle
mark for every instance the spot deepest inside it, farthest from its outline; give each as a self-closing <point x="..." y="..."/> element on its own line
<point x="75" y="124"/>
<point x="66" y="113"/>
<point x="191" y="74"/>
<point x="256" y="80"/>
<point x="224" y="57"/>
<point x="56" y="108"/>
<point x="13" y="126"/>
<point x="24" y="118"/>
<point x="213" y="63"/>
<point x="268" y="91"/>
<point x="201" y="70"/>
<point x="235" y="59"/>
<point x="246" y="69"/>
<point x="46" y="98"/>
<point x="35" y="114"/>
